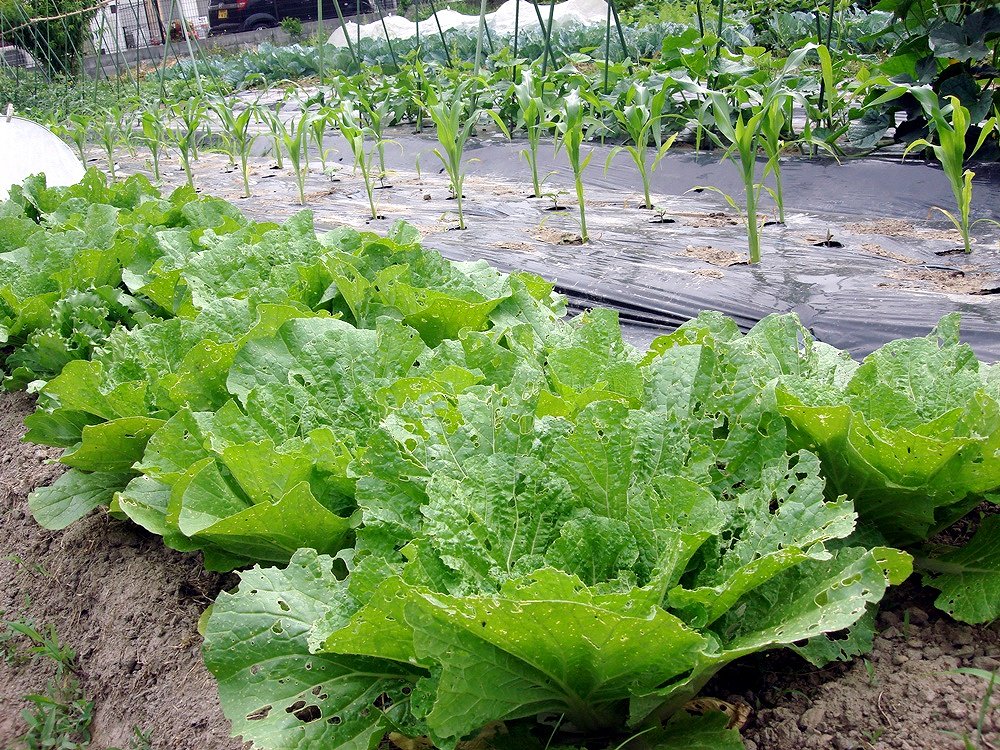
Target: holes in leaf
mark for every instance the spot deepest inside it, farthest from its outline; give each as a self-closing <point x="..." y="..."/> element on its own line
<point x="255" y="669"/>
<point x="382" y="702"/>
<point x="260" y="714"/>
<point x="304" y="713"/>
<point x="317" y="690"/>
<point x="283" y="606"/>
<point x="277" y="628"/>
<point x="335" y="720"/>
<point x="309" y="665"/>
<point x="406" y="690"/>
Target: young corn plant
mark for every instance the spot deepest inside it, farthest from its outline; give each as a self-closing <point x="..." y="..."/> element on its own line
<point x="153" y="137"/>
<point x="741" y="136"/>
<point x="295" y="139"/>
<point x="569" y="130"/>
<point x="455" y="116"/>
<point x="238" y="137"/>
<point x="225" y="115"/>
<point x="951" y="152"/>
<point x="531" y="115"/>
<point x="317" y="127"/>
<point x="642" y="119"/>
<point x="348" y="122"/>
<point x="192" y="116"/>
<point x="378" y="113"/>
<point x="76" y="127"/>
<point x="108" y="133"/>
<point x="125" y="123"/>
<point x="772" y="127"/>
<point x="271" y="118"/>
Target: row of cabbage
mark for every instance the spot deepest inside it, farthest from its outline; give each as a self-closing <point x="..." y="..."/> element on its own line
<point x="471" y="510"/>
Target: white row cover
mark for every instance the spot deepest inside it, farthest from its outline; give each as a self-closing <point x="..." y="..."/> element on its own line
<point x="501" y="21"/>
<point x="27" y="148"/>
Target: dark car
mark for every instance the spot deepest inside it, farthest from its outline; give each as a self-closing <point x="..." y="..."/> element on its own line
<point x="225" y="16"/>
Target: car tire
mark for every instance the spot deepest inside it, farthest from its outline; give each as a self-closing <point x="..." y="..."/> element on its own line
<point x="257" y="24"/>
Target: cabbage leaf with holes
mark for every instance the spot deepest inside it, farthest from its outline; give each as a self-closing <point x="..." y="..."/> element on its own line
<point x="556" y="542"/>
<point x="912" y="434"/>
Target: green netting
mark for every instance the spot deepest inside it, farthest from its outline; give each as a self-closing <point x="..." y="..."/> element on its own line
<point x="82" y="56"/>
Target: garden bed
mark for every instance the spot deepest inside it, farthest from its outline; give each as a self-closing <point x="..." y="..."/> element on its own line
<point x="130" y="607"/>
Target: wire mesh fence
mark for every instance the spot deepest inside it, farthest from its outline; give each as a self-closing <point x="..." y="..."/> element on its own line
<point x="76" y="41"/>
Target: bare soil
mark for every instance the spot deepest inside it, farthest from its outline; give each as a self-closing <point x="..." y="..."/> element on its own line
<point x="715" y="256"/>
<point x="906" y="695"/>
<point x="130" y="607"/>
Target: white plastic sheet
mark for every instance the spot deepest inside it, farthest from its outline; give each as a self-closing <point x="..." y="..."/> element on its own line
<point x="27" y="148"/>
<point x="500" y="21"/>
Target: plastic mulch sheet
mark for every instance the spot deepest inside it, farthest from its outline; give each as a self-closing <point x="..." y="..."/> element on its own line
<point x="862" y="258"/>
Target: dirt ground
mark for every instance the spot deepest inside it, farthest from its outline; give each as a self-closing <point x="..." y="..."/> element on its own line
<point x="130" y="607"/>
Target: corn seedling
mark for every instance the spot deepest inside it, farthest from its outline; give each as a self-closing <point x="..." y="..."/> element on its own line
<point x="76" y="127"/>
<point x="127" y="121"/>
<point x="741" y="136"/>
<point x="531" y="114"/>
<point x="295" y="139"/>
<point x="317" y="127"/>
<point x="772" y="126"/>
<point x="182" y="140"/>
<point x="192" y="116"/>
<point x="832" y="106"/>
<point x="377" y="111"/>
<point x="238" y="138"/>
<point x="226" y="116"/>
<point x="108" y="133"/>
<point x="350" y="127"/>
<point x="951" y="152"/>
<point x="642" y="119"/>
<point x="271" y="118"/>
<point x="185" y="137"/>
<point x="569" y="128"/>
<point x="455" y="117"/>
<point x="153" y="136"/>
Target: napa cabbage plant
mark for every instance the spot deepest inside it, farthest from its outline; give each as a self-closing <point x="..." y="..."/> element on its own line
<point x="912" y="434"/>
<point x="547" y="540"/>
